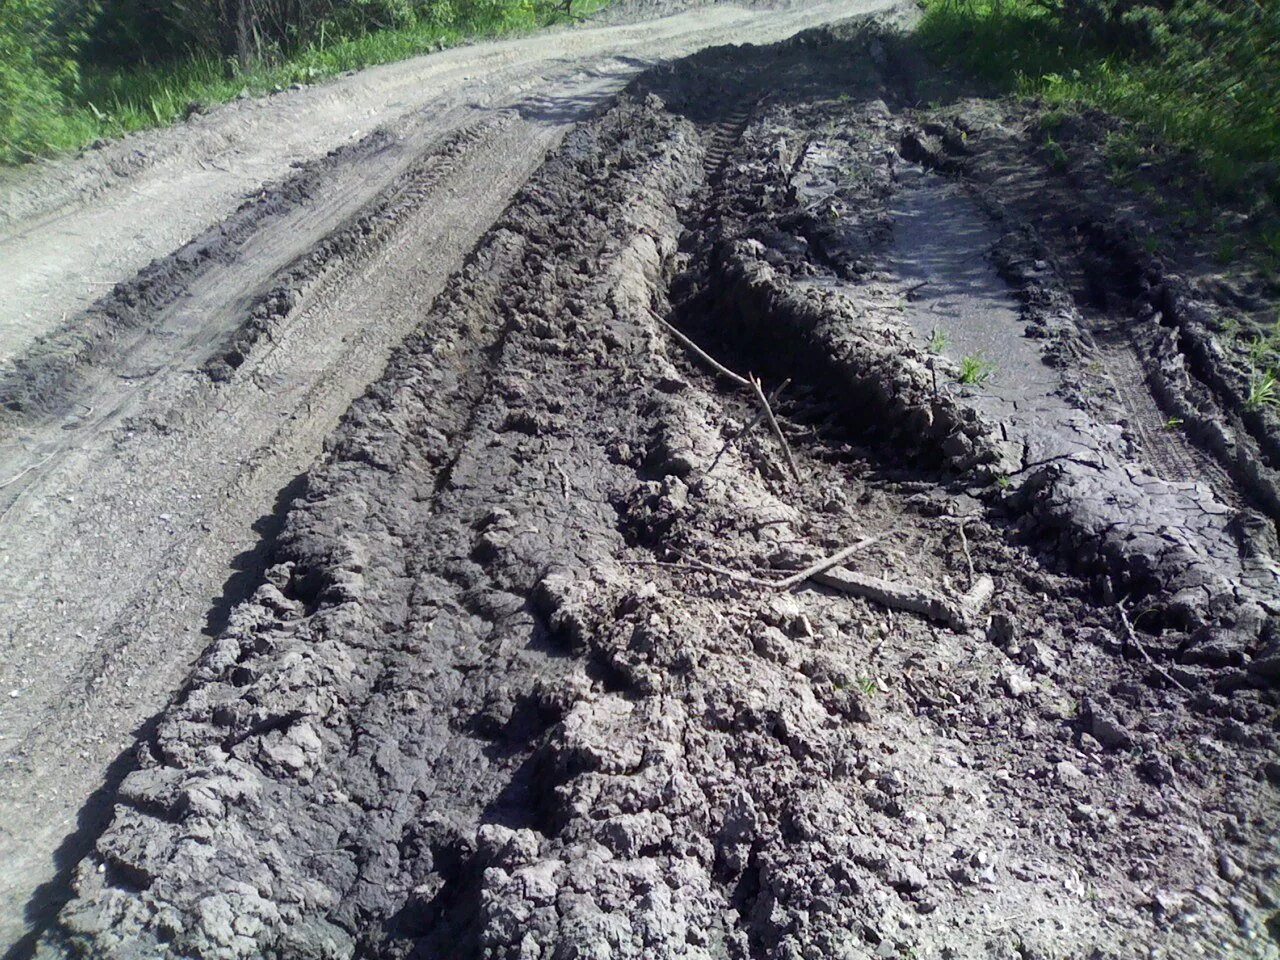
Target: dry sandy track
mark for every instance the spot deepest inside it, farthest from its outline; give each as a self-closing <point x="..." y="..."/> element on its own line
<point x="135" y="487"/>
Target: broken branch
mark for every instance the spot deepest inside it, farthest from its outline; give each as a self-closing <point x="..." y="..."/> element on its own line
<point x="702" y="354"/>
<point x="777" y="430"/>
<point x="959" y="614"/>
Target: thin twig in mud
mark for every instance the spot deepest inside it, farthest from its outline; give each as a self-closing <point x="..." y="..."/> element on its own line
<point x="702" y="354"/>
<point x="689" y="565"/>
<point x="777" y="430"/>
<point x="697" y="566"/>
<point x="755" y="421"/>
<point x="1131" y="635"/>
<point x="824" y="565"/>
<point x="964" y="545"/>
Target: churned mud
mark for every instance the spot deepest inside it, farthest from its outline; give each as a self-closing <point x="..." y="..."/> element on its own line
<point x="521" y="681"/>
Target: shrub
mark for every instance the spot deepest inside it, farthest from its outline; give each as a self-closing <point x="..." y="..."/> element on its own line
<point x="35" y="76"/>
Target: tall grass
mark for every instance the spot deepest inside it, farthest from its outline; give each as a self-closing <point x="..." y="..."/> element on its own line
<point x="1199" y="74"/>
<point x="93" y="102"/>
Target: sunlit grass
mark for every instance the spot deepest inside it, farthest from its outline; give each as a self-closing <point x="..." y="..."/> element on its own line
<point x="110" y="103"/>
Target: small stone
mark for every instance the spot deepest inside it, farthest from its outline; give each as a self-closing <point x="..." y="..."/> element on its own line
<point x="1069" y="774"/>
<point x="1089" y="743"/>
<point x="1155" y="771"/>
<point x="909" y="878"/>
<point x="1104" y="727"/>
<point x="1018" y="683"/>
<point x="1228" y="869"/>
<point x="1167" y="903"/>
<point x="1001" y="631"/>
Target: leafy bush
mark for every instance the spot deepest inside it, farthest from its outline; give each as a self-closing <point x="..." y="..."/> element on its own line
<point x="35" y="75"/>
<point x="72" y="71"/>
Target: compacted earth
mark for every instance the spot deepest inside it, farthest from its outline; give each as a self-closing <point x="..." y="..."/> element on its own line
<point x="542" y="659"/>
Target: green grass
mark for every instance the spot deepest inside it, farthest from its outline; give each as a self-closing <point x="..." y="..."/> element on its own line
<point x="108" y="103"/>
<point x="1262" y="391"/>
<point x="1203" y="74"/>
<point x="974" y="370"/>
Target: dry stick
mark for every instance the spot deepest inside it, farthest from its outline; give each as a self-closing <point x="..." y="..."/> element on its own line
<point x="1132" y="636"/>
<point x="822" y="566"/>
<point x="742" y="433"/>
<point x="777" y="430"/>
<point x="964" y="545"/>
<point x="702" y="354"/>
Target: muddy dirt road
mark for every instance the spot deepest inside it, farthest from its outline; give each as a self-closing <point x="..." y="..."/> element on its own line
<point x="510" y="668"/>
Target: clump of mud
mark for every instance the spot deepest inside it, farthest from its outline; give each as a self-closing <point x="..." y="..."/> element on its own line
<point x="509" y="691"/>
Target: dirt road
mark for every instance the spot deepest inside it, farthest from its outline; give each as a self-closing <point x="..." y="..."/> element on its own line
<point x="136" y="489"/>
<point x="507" y="668"/>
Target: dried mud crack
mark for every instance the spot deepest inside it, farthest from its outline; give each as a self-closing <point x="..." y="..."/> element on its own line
<point x="506" y="690"/>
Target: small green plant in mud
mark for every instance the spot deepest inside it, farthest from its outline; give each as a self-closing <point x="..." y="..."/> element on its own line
<point x="1173" y="423"/>
<point x="1004" y="482"/>
<point x="1262" y="351"/>
<point x="1262" y="391"/>
<point x="938" y="340"/>
<point x="975" y="370"/>
<point x="869" y="685"/>
<point x="1058" y="160"/>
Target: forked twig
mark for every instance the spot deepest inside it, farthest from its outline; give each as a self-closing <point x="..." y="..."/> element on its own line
<point x="750" y="382"/>
<point x="751" y="425"/>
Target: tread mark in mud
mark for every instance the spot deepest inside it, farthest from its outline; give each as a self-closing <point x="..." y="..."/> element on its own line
<point x="1168" y="451"/>
<point x="723" y="135"/>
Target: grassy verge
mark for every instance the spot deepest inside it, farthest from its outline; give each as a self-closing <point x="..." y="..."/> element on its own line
<point x="1199" y="75"/>
<point x="108" y="103"/>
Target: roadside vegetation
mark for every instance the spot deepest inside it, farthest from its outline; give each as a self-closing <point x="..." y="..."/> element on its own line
<point x="1199" y="75"/>
<point x="75" y="71"/>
